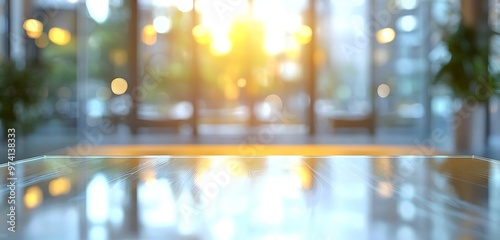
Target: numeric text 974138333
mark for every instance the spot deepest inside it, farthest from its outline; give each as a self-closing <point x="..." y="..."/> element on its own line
<point x="11" y="179"/>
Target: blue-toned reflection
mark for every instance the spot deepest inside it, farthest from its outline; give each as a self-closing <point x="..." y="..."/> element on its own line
<point x="280" y="197"/>
<point x="156" y="204"/>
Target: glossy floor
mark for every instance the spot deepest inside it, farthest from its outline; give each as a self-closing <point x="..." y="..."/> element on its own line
<point x="275" y="197"/>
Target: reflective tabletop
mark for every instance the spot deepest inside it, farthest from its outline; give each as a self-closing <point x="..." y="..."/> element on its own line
<point x="230" y="197"/>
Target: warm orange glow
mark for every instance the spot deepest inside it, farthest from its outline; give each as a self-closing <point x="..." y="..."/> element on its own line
<point x="34" y="35"/>
<point x="384" y="167"/>
<point x="386" y="35"/>
<point x="262" y="76"/>
<point x="304" y="34"/>
<point x="220" y="46"/>
<point x="201" y="169"/>
<point x="59" y="186"/>
<point x="59" y="36"/>
<point x="201" y="34"/>
<point x="148" y="176"/>
<point x="149" y="35"/>
<point x="42" y="41"/>
<point x="242" y="82"/>
<point x="33" y="197"/>
<point x="231" y="92"/>
<point x="319" y="57"/>
<point x="33" y="27"/>
<point x="385" y="189"/>
<point x="237" y="167"/>
<point x="119" y="86"/>
<point x="304" y="173"/>
<point x="293" y="52"/>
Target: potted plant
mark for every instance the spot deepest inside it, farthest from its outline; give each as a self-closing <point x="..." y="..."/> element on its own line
<point x="20" y="93"/>
<point x="469" y="75"/>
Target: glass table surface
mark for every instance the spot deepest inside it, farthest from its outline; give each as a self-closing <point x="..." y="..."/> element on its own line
<point x="231" y="197"/>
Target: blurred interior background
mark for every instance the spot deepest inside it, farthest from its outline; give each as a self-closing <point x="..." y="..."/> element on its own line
<point x="96" y="72"/>
<point x="77" y="74"/>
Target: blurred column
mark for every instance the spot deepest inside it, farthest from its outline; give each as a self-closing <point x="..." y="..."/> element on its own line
<point x="132" y="212"/>
<point x="427" y="48"/>
<point x="15" y="27"/>
<point x="475" y="14"/>
<point x="82" y="174"/>
<point x="82" y="58"/>
<point x="371" y="77"/>
<point x="134" y="61"/>
<point x="20" y="207"/>
<point x="195" y="78"/>
<point x="311" y="87"/>
<point x="7" y="28"/>
<point x="252" y="85"/>
<point x="81" y="183"/>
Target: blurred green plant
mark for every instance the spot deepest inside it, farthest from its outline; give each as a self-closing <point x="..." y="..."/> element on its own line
<point x="21" y="91"/>
<point x="468" y="71"/>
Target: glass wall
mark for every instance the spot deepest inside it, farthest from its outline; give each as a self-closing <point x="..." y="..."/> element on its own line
<point x="55" y="47"/>
<point x="343" y="63"/>
<point x="373" y="68"/>
<point x="250" y="67"/>
<point x="236" y="67"/>
<point x="164" y="64"/>
<point x="104" y="66"/>
<point x="253" y="65"/>
<point x="442" y="14"/>
<point x="400" y="64"/>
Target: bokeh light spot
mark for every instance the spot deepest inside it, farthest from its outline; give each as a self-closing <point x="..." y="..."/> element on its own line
<point x="33" y="197"/>
<point x="59" y="36"/>
<point x="383" y="90"/>
<point x="119" y="86"/>
<point x="149" y="35"/>
<point x="386" y="35"/>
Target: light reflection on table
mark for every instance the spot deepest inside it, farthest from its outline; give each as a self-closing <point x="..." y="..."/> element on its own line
<point x="278" y="197"/>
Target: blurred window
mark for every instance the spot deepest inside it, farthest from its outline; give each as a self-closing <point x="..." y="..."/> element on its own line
<point x="106" y="74"/>
<point x="342" y="58"/>
<point x="164" y="64"/>
<point x="50" y="30"/>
